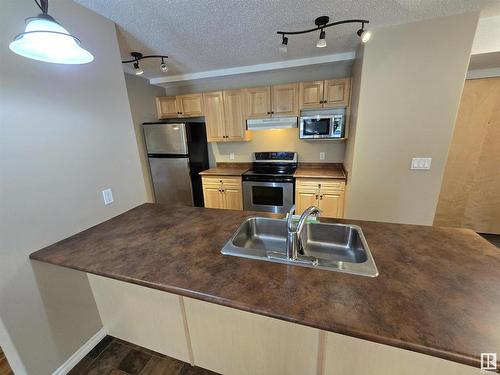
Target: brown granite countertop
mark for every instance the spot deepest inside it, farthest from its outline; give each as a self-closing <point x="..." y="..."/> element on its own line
<point x="227" y="169"/>
<point x="320" y="170"/>
<point x="437" y="293"/>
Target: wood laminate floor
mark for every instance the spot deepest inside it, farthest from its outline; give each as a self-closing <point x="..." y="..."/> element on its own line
<point x="113" y="356"/>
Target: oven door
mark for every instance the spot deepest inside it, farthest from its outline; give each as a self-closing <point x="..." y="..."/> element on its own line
<point x="267" y="196"/>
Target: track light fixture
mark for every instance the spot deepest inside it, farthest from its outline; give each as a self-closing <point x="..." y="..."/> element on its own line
<point x="283" y="47"/>
<point x="321" y="43"/>
<point x="321" y="24"/>
<point x="137" y="56"/>
<point x="44" y="39"/>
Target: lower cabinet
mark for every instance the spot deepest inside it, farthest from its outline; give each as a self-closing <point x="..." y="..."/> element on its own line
<point x="222" y="192"/>
<point x="234" y="342"/>
<point x="327" y="194"/>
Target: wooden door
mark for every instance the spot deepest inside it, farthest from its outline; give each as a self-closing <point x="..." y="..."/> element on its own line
<point x="305" y="198"/>
<point x="337" y="92"/>
<point x="212" y="195"/>
<point x="257" y="102"/>
<point x="285" y="100"/>
<point x="331" y="203"/>
<point x="166" y="107"/>
<point x="233" y="199"/>
<point x="190" y="105"/>
<point x="213" y="106"/>
<point x="470" y="193"/>
<point x="234" y="115"/>
<point x="311" y="94"/>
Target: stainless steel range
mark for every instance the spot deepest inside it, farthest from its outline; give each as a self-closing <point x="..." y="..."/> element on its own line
<point x="268" y="186"/>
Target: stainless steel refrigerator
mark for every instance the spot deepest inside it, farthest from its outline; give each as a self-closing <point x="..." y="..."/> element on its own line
<point x="177" y="152"/>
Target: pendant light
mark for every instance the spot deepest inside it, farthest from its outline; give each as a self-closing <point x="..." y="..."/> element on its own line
<point x="44" y="39"/>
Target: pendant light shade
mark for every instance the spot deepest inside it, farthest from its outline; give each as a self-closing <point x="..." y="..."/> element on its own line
<point x="46" y="40"/>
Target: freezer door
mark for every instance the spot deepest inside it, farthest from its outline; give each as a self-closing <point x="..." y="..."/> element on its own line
<point x="171" y="180"/>
<point x="165" y="138"/>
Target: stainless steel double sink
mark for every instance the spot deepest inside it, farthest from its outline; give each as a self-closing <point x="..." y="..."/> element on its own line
<point x="333" y="247"/>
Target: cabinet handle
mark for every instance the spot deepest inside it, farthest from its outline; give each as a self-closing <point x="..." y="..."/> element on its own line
<point x="316" y="196"/>
<point x="268" y="113"/>
<point x="272" y="112"/>
<point x="320" y="197"/>
<point x="223" y="191"/>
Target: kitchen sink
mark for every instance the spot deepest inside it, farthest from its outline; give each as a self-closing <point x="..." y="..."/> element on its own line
<point x="333" y="247"/>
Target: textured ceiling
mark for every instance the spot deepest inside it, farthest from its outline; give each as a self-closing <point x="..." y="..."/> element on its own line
<point x="201" y="35"/>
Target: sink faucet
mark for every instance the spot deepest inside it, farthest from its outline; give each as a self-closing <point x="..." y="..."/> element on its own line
<point x="293" y="239"/>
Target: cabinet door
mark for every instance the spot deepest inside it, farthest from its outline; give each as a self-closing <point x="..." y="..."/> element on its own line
<point x="190" y="105"/>
<point x="305" y="198"/>
<point x="212" y="194"/>
<point x="331" y="204"/>
<point x="258" y="102"/>
<point x="234" y="115"/>
<point x="213" y="104"/>
<point x="166" y="107"/>
<point x="233" y="199"/>
<point x="311" y="94"/>
<point x="285" y="100"/>
<point x="337" y="92"/>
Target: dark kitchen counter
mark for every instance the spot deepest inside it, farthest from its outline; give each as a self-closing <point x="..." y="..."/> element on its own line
<point x="438" y="291"/>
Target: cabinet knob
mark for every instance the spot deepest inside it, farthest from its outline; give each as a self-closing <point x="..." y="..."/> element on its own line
<point x="320" y="197"/>
<point x="272" y="112"/>
<point x="316" y="196"/>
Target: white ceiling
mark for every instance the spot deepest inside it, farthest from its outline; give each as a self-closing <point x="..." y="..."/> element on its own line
<point x="204" y="35"/>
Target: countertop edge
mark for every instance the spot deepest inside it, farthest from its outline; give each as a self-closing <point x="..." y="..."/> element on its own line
<point x="435" y="352"/>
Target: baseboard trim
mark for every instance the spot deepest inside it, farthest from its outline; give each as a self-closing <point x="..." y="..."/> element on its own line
<point x="80" y="353"/>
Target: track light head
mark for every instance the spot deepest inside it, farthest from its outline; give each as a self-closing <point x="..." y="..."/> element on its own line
<point x="284" y="43"/>
<point x="137" y="68"/>
<point x="321" y="43"/>
<point x="163" y="66"/>
<point x="365" y="35"/>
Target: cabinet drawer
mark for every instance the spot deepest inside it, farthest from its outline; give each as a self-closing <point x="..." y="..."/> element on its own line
<point x="224" y="180"/>
<point x="323" y="184"/>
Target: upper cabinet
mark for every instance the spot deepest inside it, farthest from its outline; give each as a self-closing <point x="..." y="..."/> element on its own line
<point x="285" y="100"/>
<point x="190" y="105"/>
<point x="166" y="106"/>
<point x="324" y="94"/>
<point x="272" y="101"/>
<point x="224" y="116"/>
<point x="258" y="102"/>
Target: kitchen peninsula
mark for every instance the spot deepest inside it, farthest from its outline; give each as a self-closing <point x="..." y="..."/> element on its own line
<point x="436" y="296"/>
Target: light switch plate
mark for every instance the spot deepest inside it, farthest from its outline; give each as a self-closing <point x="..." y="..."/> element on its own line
<point x="321" y="156"/>
<point x="231" y="155"/>
<point x="107" y="196"/>
<point x="421" y="163"/>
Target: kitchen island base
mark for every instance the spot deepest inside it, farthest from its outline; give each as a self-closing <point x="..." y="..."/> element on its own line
<point x="231" y="341"/>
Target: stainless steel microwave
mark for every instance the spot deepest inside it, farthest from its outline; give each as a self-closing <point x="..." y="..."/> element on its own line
<point x="322" y="125"/>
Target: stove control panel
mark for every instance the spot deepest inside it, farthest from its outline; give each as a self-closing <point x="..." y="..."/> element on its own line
<point x="278" y="156"/>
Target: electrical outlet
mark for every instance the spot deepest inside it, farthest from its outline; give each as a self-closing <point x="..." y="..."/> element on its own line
<point x="231" y="155"/>
<point x="321" y="156"/>
<point x="107" y="196"/>
<point x="421" y="163"/>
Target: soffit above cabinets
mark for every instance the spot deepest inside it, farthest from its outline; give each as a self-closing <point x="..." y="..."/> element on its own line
<point x="201" y="36"/>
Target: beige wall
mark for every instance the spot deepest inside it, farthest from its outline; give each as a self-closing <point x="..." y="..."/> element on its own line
<point x="412" y="79"/>
<point x="141" y="96"/>
<point x="279" y="140"/>
<point x="271" y="140"/>
<point x="66" y="133"/>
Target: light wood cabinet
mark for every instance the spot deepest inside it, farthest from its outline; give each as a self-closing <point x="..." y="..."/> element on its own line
<point x="224" y="116"/>
<point x="285" y="100"/>
<point x="272" y="101"/>
<point x="190" y="105"/>
<point x="213" y="103"/>
<point x="258" y="102"/>
<point x="325" y="94"/>
<point x="327" y="194"/>
<point x="235" y="122"/>
<point x="222" y="192"/>
<point x="166" y="107"/>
